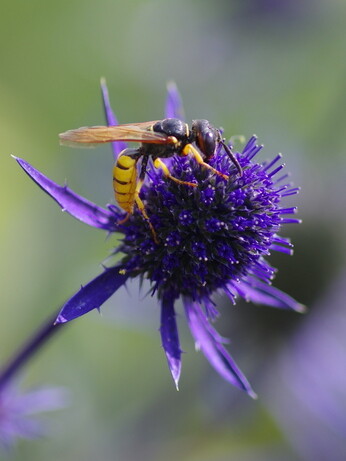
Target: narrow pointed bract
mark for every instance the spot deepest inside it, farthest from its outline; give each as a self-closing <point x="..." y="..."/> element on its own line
<point x="77" y="206"/>
<point x="208" y="341"/>
<point x="209" y="238"/>
<point x="118" y="146"/>
<point x="174" y="104"/>
<point x="92" y="295"/>
<point x="258" y="292"/>
<point x="170" y="338"/>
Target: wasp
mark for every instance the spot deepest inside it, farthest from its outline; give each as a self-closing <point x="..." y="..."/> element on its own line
<point x="159" y="139"/>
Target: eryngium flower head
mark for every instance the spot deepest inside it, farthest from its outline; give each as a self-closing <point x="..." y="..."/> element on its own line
<point x="210" y="237"/>
<point x="19" y="411"/>
<point x="213" y="237"/>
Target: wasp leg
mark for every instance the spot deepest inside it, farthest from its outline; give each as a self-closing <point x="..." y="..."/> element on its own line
<point x="141" y="208"/>
<point x="123" y="221"/>
<point x="190" y="149"/>
<point x="138" y="200"/>
<point x="159" y="164"/>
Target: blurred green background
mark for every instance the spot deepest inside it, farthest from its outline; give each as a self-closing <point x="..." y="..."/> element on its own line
<point x="273" y="68"/>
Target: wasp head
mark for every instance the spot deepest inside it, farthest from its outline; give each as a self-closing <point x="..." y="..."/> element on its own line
<point x="207" y="137"/>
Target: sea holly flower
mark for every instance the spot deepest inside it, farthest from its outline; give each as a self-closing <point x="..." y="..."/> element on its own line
<point x="210" y="238"/>
<point x="19" y="412"/>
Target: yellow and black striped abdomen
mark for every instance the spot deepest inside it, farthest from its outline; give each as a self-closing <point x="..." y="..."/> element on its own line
<point x="125" y="181"/>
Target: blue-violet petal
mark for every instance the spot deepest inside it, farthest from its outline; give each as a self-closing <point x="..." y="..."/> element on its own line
<point x="212" y="348"/>
<point x="72" y="203"/>
<point x="93" y="295"/>
<point x="254" y="290"/>
<point x="117" y="146"/>
<point x="174" y="104"/>
<point x="170" y="337"/>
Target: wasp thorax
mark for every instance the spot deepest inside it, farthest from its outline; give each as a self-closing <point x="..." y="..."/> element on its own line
<point x="171" y="127"/>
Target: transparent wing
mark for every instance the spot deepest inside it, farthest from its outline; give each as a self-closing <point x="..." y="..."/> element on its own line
<point x="100" y="134"/>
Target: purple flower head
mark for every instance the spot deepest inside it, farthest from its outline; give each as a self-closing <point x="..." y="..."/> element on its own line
<point x="210" y="238"/>
<point x="18" y="412"/>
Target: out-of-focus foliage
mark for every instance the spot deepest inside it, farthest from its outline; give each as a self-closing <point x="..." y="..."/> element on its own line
<point x="251" y="67"/>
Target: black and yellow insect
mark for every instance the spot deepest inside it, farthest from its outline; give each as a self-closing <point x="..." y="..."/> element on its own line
<point x="159" y="139"/>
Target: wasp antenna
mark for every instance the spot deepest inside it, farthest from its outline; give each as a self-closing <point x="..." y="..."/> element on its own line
<point x="233" y="159"/>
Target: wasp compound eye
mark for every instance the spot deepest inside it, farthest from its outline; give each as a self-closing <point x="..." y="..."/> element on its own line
<point x="207" y="143"/>
<point x="206" y="137"/>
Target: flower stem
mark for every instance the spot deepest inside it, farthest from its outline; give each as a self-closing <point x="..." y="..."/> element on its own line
<point x="28" y="350"/>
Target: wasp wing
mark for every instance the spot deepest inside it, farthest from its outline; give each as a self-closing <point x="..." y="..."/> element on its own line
<point x="136" y="132"/>
<point x="142" y="125"/>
